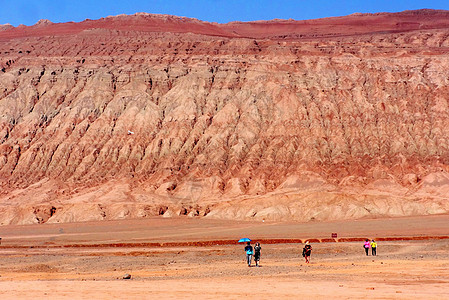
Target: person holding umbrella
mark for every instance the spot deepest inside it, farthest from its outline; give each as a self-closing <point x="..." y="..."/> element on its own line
<point x="307" y="251"/>
<point x="249" y="253"/>
<point x="248" y="250"/>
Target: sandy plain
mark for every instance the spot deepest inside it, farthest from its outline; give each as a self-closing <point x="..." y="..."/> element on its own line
<point x="187" y="258"/>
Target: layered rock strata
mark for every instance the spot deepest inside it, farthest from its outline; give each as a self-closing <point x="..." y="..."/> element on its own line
<point x="137" y="116"/>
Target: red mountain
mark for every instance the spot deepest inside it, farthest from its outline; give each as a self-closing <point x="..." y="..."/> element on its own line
<point x="134" y="116"/>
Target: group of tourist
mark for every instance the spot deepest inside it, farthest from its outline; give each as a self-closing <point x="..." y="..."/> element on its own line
<point x="306" y="251"/>
<point x="372" y="245"/>
<point x="249" y="253"/>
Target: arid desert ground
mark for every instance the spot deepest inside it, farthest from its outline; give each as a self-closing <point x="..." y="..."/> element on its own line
<point x="173" y="258"/>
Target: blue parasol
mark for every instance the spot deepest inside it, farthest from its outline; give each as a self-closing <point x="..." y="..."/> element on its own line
<point x="244" y="240"/>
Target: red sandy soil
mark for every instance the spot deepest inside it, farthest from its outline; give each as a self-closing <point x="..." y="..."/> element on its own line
<point x="47" y="260"/>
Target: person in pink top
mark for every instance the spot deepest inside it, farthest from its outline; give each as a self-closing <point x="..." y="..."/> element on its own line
<point x="366" y="245"/>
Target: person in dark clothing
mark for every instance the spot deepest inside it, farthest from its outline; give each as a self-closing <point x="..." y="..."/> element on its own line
<point x="249" y="253"/>
<point x="307" y="251"/>
<point x="257" y="249"/>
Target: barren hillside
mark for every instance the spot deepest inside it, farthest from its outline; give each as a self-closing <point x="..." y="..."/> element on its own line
<point x="134" y="116"/>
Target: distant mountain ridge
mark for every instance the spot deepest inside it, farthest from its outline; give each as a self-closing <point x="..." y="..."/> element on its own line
<point x="359" y="23"/>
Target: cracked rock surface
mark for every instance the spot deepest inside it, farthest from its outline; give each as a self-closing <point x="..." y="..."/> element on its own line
<point x="146" y="115"/>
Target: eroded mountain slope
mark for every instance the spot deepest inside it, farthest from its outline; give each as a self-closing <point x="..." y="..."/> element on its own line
<point x="107" y="124"/>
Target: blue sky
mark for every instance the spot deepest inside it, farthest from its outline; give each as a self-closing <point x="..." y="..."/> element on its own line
<point x="28" y="12"/>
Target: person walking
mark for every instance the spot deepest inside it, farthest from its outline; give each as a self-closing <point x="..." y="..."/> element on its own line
<point x="257" y="249"/>
<point x="366" y="246"/>
<point x="307" y="251"/>
<point x="249" y="253"/>
<point x="373" y="248"/>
